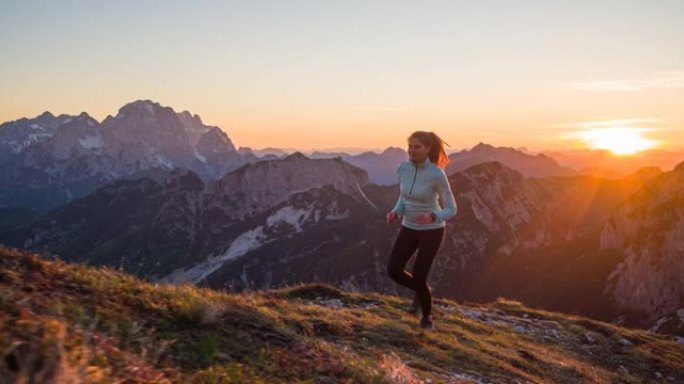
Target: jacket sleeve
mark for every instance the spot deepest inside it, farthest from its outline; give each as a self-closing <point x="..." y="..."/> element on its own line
<point x="446" y="198"/>
<point x="399" y="206"/>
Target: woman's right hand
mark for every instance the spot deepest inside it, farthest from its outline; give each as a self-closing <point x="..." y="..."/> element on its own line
<point x="392" y="217"/>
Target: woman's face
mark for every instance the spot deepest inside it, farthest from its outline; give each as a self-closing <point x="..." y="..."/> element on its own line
<point x="417" y="151"/>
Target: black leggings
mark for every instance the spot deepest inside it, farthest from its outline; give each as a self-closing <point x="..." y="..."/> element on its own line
<point x="427" y="242"/>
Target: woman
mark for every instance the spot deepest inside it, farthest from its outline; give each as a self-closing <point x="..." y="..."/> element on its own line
<point x="423" y="186"/>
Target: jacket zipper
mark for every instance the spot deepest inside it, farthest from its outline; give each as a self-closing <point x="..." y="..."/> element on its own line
<point x="414" y="179"/>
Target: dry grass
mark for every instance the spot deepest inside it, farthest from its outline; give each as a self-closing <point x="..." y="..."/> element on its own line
<point x="63" y="323"/>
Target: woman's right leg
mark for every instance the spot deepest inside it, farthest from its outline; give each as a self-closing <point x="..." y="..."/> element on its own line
<point x="404" y="247"/>
<point x="429" y="244"/>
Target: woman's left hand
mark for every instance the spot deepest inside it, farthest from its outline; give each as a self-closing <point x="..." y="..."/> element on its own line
<point x="423" y="218"/>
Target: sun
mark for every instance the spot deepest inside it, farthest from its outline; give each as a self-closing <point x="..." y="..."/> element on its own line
<point x="618" y="140"/>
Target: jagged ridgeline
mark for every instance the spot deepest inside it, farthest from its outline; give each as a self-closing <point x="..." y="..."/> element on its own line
<point x="160" y="195"/>
<point x="50" y="160"/>
<point x="64" y="323"/>
<point x="553" y="242"/>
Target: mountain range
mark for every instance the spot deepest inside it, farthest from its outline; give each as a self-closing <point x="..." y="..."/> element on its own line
<point x="50" y="160"/>
<point x="160" y="195"/>
<point x="539" y="240"/>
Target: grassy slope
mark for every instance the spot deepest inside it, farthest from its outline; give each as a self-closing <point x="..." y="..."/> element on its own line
<point x="65" y="322"/>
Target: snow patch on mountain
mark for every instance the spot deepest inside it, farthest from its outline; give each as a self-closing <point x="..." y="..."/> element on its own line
<point x="242" y="244"/>
<point x="91" y="142"/>
<point x="30" y="139"/>
<point x="198" y="156"/>
<point x="358" y="187"/>
<point x="289" y="215"/>
<point x="338" y="215"/>
<point x="164" y="161"/>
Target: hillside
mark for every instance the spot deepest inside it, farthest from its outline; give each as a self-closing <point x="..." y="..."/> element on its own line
<point x="72" y="323"/>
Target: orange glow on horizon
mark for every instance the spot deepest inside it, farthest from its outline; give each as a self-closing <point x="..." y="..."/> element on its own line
<point x="618" y="140"/>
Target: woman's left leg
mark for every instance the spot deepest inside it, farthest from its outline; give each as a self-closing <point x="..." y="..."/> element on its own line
<point x="428" y="245"/>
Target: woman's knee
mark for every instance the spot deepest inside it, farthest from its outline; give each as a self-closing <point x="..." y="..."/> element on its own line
<point x="421" y="285"/>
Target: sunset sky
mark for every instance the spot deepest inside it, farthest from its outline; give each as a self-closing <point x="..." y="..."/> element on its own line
<point x="326" y="74"/>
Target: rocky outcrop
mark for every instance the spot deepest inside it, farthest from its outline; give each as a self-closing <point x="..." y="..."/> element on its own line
<point x="255" y="187"/>
<point x="648" y="230"/>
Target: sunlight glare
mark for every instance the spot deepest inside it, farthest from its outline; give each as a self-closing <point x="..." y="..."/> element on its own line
<point x="618" y="140"/>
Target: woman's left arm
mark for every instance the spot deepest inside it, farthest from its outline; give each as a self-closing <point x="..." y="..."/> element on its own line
<point x="446" y="197"/>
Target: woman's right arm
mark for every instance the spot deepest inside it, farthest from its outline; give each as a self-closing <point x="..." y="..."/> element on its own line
<point x="399" y="206"/>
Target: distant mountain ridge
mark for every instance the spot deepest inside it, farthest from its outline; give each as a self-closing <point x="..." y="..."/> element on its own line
<point x="161" y="195"/>
<point x="529" y="165"/>
<point x="381" y="167"/>
<point x="50" y="160"/>
<point x="298" y="219"/>
<point x="603" y="163"/>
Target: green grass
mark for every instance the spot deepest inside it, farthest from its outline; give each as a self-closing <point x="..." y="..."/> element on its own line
<point x="66" y="322"/>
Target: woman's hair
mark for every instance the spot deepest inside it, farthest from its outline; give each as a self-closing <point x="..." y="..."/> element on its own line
<point x="437" y="154"/>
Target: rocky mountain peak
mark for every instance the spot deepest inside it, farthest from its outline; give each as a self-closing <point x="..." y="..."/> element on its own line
<point x="648" y="230"/>
<point x="266" y="183"/>
<point x="482" y="147"/>
<point x="46" y="115"/>
<point x="646" y="173"/>
<point x="215" y="138"/>
<point x="297" y="156"/>
<point x="490" y="171"/>
<point x="73" y="155"/>
<point x="85" y="116"/>
<point x="525" y="163"/>
<point x="394" y="151"/>
<point x="680" y="167"/>
<point x="190" y="119"/>
<point x="137" y="105"/>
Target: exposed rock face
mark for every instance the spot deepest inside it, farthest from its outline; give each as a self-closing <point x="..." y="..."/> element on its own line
<point x="648" y="230"/>
<point x="15" y="136"/>
<point x="164" y="220"/>
<point x="48" y="161"/>
<point x="255" y="187"/>
<point x="145" y="135"/>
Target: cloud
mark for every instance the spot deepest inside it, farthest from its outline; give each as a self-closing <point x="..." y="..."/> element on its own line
<point x="660" y="81"/>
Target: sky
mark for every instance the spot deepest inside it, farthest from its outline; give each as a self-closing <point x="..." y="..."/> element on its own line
<point x="330" y="74"/>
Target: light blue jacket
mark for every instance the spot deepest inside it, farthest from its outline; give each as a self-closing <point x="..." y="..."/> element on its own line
<point x="423" y="188"/>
